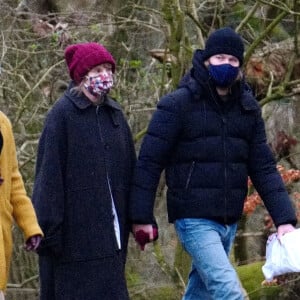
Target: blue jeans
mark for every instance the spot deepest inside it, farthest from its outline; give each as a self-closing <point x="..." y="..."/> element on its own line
<point x="212" y="275"/>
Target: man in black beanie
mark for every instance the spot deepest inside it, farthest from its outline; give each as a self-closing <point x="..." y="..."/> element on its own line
<point x="209" y="136"/>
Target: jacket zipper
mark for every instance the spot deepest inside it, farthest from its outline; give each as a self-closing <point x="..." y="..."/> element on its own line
<point x="224" y="151"/>
<point x="225" y="168"/>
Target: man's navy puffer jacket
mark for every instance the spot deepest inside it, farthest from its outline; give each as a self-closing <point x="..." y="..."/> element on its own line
<point x="208" y="148"/>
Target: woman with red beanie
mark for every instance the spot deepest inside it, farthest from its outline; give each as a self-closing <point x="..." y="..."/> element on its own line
<point x="84" y="166"/>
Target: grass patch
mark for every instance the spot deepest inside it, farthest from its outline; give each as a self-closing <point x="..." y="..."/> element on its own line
<point x="251" y="277"/>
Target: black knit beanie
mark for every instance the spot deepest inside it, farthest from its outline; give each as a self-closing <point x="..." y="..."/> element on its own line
<point x="224" y="41"/>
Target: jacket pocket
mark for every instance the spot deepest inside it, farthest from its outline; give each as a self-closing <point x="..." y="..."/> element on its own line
<point x="190" y="175"/>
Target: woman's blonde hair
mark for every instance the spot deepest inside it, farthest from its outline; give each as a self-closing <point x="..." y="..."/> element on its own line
<point x="77" y="89"/>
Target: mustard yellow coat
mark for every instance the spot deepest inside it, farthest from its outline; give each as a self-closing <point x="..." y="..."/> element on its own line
<point x="14" y="203"/>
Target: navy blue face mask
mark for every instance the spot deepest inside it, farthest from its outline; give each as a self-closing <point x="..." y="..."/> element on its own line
<point x="223" y="75"/>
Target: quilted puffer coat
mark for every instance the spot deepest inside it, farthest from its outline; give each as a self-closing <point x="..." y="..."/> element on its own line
<point x="208" y="147"/>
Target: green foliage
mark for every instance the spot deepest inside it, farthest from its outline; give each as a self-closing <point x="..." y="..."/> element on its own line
<point x="95" y="28"/>
<point x="131" y="64"/>
<point x="140" y="290"/>
<point x="33" y="47"/>
<point x="132" y="277"/>
<point x="240" y="11"/>
<point x="252" y="277"/>
<point x="135" y="64"/>
<point x="159" y="293"/>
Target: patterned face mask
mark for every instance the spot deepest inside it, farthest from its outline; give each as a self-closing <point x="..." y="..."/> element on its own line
<point x="100" y="84"/>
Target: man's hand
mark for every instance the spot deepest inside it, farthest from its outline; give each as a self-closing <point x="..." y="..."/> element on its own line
<point x="283" y="229"/>
<point x="144" y="233"/>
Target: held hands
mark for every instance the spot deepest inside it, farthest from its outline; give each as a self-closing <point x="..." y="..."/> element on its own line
<point x="33" y="242"/>
<point x="144" y="234"/>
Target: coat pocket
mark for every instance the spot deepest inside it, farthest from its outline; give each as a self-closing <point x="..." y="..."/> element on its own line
<point x="189" y="175"/>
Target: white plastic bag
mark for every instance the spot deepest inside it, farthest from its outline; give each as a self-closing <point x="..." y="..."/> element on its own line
<point x="282" y="257"/>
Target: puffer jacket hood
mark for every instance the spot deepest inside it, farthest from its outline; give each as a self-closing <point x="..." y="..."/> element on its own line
<point x="197" y="75"/>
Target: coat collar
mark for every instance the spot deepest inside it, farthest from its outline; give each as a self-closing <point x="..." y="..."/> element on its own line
<point x="82" y="102"/>
<point x="248" y="100"/>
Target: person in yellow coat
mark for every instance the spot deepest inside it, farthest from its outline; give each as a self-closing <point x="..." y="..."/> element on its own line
<point x="15" y="205"/>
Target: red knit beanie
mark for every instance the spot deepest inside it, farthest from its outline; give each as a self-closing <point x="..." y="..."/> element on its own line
<point x="81" y="58"/>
